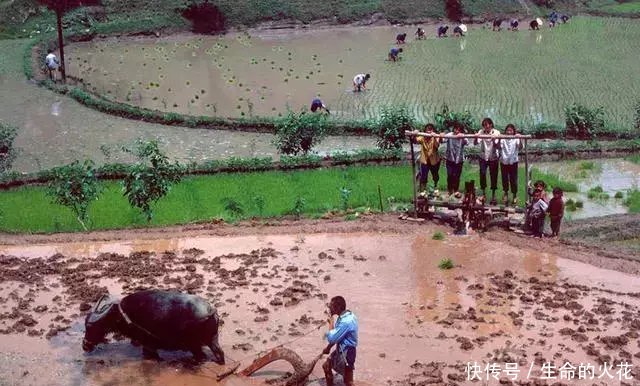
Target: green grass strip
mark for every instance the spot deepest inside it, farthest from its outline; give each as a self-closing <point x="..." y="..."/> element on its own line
<point x="202" y="198"/>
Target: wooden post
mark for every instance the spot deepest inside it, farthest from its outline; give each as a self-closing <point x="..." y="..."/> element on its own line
<point x="526" y="173"/>
<point x="413" y="178"/>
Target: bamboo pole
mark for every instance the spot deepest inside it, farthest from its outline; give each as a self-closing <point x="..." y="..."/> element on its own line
<point x="413" y="178"/>
<point x="526" y="173"/>
<point x="479" y="136"/>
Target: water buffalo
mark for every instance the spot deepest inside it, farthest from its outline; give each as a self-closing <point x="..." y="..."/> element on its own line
<point x="157" y="320"/>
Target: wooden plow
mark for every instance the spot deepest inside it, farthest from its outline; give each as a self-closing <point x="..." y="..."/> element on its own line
<point x="471" y="211"/>
<point x="301" y="369"/>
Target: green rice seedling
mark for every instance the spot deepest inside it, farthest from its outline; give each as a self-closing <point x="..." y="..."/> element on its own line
<point x="579" y="204"/>
<point x="570" y="205"/>
<point x="446" y="263"/>
<point x="619" y="195"/>
<point x="438" y="236"/>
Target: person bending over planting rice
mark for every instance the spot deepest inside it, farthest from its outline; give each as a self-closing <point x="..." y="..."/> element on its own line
<point x="514" y="24"/>
<point x="400" y="38"/>
<point x="420" y="34"/>
<point x="360" y="82"/>
<point x="442" y="31"/>
<point x="459" y="30"/>
<point x="497" y="25"/>
<point x="535" y="25"/>
<point x="394" y="54"/>
<point x="318" y="105"/>
<point x="564" y="18"/>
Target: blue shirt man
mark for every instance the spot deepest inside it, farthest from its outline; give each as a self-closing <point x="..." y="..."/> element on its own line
<point x="344" y="334"/>
<point x="393" y="54"/>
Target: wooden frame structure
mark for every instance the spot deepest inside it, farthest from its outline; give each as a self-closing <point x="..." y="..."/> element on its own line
<point x="469" y="206"/>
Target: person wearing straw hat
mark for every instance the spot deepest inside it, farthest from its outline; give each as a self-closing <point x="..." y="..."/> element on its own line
<point x="343" y="332"/>
<point x="460" y="30"/>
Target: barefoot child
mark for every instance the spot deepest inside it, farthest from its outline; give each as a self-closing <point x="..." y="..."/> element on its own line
<point x="556" y="211"/>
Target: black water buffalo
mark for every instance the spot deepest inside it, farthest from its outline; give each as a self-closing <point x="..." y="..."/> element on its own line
<point x="157" y="320"/>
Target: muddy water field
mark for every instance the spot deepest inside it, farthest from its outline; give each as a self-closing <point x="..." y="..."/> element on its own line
<point x="508" y="300"/>
<point x="264" y="72"/>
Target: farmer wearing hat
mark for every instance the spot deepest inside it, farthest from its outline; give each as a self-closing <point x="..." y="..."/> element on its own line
<point x="343" y="332"/>
<point x="459" y="30"/>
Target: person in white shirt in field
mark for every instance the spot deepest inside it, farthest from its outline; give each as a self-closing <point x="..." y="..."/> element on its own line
<point x="51" y="60"/>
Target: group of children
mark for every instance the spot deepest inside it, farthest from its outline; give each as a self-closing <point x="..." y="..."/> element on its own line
<point x="539" y="207"/>
<point x="495" y="153"/>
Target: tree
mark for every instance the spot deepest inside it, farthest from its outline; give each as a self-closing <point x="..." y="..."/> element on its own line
<point x="60" y="7"/>
<point x="75" y="186"/>
<point x="391" y="125"/>
<point x="299" y="133"/>
<point x="206" y="17"/>
<point x="454" y="10"/>
<point x="151" y="179"/>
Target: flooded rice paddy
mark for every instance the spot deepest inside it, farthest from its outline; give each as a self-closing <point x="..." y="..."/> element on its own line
<point x="526" y="76"/>
<point x="55" y="130"/>
<point x="612" y="175"/>
<point x="417" y="323"/>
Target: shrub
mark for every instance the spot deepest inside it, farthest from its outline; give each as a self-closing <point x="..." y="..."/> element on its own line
<point x="75" y="186"/>
<point x="446" y="263"/>
<point x="633" y="201"/>
<point x="584" y="122"/>
<point x="298" y="206"/>
<point x="445" y="119"/>
<point x="206" y="18"/>
<point x="579" y="204"/>
<point x="570" y="205"/>
<point x="150" y="179"/>
<point x="438" y="236"/>
<point x="299" y="133"/>
<point x="233" y="207"/>
<point x="8" y="152"/>
<point x="390" y="127"/>
<point x="618" y="195"/>
<point x="597" y="193"/>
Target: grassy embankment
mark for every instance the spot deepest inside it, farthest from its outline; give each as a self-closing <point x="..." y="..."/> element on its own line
<point x="202" y="198"/>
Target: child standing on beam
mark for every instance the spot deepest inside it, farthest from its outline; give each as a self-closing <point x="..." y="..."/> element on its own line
<point x="454" y="156"/>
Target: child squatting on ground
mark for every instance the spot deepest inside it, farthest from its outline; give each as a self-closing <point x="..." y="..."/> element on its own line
<point x="343" y="332"/>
